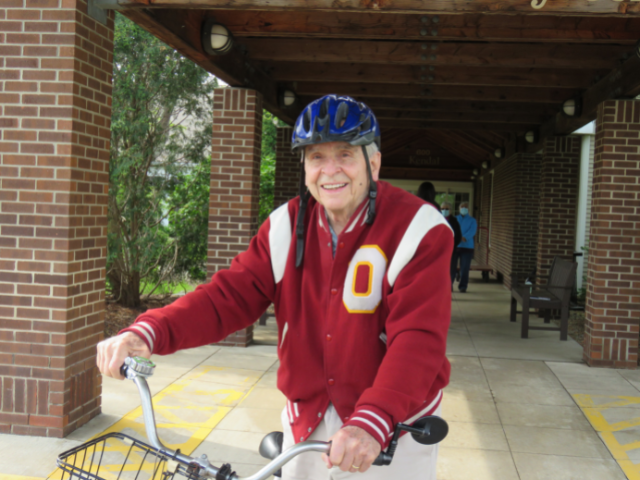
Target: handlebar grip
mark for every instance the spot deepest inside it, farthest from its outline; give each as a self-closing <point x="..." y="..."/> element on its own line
<point x="383" y="459"/>
<point x="123" y="370"/>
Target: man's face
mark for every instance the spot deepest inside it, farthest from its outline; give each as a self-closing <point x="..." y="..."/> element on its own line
<point x="336" y="175"/>
<point x="465" y="206"/>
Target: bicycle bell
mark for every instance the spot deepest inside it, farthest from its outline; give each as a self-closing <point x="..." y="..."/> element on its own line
<point x="140" y="365"/>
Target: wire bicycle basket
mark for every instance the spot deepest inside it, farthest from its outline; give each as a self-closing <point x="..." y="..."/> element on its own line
<point x="117" y="456"/>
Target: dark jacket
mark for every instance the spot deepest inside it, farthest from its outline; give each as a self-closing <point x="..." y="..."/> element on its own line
<point x="455" y="226"/>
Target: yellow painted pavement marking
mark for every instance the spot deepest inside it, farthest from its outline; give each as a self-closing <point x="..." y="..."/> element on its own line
<point x="4" y="476"/>
<point x="179" y="433"/>
<point x="594" y="407"/>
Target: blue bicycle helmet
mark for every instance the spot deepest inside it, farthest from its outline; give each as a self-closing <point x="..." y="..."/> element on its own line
<point x="334" y="118"/>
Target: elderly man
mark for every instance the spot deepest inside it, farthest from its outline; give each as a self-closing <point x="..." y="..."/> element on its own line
<point x="464" y="250"/>
<point x="347" y="265"/>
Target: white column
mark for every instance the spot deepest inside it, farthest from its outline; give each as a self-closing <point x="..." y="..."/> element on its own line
<point x="587" y="133"/>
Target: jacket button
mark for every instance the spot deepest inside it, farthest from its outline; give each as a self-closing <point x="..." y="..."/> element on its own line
<point x="341" y="244"/>
<point x="334" y="291"/>
<point x="329" y="244"/>
<point x="309" y="430"/>
<point x="331" y="381"/>
<point x="302" y="439"/>
<point x="329" y="338"/>
<point x="319" y="414"/>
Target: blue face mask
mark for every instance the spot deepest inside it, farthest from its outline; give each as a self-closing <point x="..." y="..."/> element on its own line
<point x="445" y="213"/>
<point x="464" y="211"/>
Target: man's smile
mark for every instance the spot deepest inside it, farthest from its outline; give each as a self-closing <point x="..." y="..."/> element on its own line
<point x="334" y="186"/>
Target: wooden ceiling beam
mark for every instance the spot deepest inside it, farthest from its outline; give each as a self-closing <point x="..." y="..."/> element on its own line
<point x="526" y="7"/>
<point x="452" y="174"/>
<point x="495" y="94"/>
<point x="419" y="105"/>
<point x="621" y="82"/>
<point x="514" y="55"/>
<point x="457" y="148"/>
<point x="451" y="140"/>
<point x="467" y="27"/>
<point x="440" y="125"/>
<point x="485" y="143"/>
<point x="182" y="34"/>
<point x="432" y="75"/>
<point x="475" y="150"/>
<point x="491" y="117"/>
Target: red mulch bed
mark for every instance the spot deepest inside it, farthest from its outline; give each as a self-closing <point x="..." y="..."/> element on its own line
<point x="119" y="317"/>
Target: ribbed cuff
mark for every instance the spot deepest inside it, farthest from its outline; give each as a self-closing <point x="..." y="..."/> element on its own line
<point x="145" y="331"/>
<point x="374" y="421"/>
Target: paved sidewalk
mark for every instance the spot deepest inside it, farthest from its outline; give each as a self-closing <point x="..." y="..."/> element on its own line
<point x="517" y="409"/>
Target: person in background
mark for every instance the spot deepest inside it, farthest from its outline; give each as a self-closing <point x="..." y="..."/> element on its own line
<point x="464" y="250"/>
<point x="445" y="209"/>
<point x="427" y="192"/>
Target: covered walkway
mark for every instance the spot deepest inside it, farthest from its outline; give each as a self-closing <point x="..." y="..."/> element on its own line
<point x="517" y="409"/>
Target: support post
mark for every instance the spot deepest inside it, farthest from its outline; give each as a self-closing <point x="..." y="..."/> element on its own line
<point x="235" y="182"/>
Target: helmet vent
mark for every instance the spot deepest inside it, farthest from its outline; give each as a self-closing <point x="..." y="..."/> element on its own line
<point x="341" y="115"/>
<point x="324" y="108"/>
<point x="366" y="125"/>
<point x="306" y="120"/>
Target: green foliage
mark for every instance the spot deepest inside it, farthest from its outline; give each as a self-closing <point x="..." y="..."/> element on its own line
<point x="168" y="288"/>
<point x="155" y="157"/>
<point x="189" y="219"/>
<point x="267" y="165"/>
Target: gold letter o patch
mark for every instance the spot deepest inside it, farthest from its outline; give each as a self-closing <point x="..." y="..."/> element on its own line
<point x="363" y="286"/>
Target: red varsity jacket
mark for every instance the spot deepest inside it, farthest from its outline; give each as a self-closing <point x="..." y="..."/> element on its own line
<point x="365" y="330"/>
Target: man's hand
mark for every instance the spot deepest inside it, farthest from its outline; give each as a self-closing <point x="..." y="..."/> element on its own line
<point x="113" y="351"/>
<point x="464" y="239"/>
<point x="352" y="450"/>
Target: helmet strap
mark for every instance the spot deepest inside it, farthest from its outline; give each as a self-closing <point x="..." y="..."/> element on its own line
<point x="304" y="198"/>
<point x="373" y="190"/>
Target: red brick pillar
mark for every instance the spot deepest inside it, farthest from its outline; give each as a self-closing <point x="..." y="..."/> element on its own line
<point x="287" y="169"/>
<point x="55" y="111"/>
<point x="613" y="270"/>
<point x="235" y="181"/>
<point x="558" y="200"/>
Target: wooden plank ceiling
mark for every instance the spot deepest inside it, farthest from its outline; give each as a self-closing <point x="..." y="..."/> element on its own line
<point x="457" y="79"/>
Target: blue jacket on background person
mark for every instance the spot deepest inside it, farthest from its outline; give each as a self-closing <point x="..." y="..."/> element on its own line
<point x="468" y="227"/>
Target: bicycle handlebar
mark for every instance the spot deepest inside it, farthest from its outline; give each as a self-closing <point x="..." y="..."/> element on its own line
<point x="139" y="373"/>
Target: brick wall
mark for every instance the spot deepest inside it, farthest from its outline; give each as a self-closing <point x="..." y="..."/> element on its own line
<point x="483" y="217"/>
<point x="503" y="216"/>
<point x="512" y="216"/>
<point x="613" y="294"/>
<point x="55" y="111"/>
<point x="558" y="200"/>
<point x="525" y="234"/>
<point x="235" y="181"/>
<point x="287" y="169"/>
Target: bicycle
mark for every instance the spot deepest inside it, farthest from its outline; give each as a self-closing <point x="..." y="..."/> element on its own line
<point x="148" y="462"/>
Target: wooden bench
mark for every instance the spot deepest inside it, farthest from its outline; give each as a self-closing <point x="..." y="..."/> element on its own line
<point x="556" y="295"/>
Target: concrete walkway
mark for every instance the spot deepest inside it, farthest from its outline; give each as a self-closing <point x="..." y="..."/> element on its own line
<point x="517" y="409"/>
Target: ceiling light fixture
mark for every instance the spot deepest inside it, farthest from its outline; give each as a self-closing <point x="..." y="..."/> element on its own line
<point x="532" y="136"/>
<point x="499" y="153"/>
<point x="572" y="107"/>
<point x="216" y="38"/>
<point x="286" y="98"/>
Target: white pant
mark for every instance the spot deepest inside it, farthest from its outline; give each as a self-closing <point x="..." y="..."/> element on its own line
<point x="412" y="461"/>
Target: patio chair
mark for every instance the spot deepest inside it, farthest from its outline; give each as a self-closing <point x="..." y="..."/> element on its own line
<point x="555" y="295"/>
